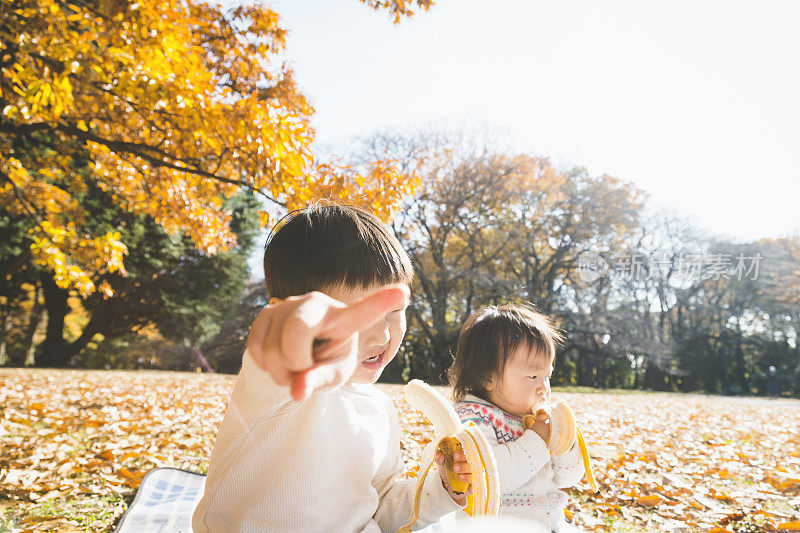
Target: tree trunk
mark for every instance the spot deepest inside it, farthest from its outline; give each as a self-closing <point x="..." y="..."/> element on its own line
<point x="201" y="360"/>
<point x="97" y="324"/>
<point x="54" y="352"/>
<point x="655" y="378"/>
<point x="3" y="335"/>
<point x="740" y="364"/>
<point x="34" y="321"/>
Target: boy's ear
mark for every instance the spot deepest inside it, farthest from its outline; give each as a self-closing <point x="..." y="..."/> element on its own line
<point x="489" y="385"/>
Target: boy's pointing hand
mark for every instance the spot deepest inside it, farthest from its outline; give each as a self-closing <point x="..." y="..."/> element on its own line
<point x="311" y="341"/>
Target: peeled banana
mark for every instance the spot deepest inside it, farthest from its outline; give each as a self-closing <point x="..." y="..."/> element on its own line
<point x="452" y="436"/>
<point x="563" y="433"/>
<point x="449" y="446"/>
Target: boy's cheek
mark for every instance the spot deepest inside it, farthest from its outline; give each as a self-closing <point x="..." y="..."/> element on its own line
<point x="391" y="353"/>
<point x="399" y="329"/>
<point x="396" y="332"/>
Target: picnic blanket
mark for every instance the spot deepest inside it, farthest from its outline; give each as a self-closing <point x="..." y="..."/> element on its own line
<point x="167" y="497"/>
<point x="164" y="502"/>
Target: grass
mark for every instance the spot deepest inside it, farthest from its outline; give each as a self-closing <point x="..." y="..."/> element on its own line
<point x="80" y="514"/>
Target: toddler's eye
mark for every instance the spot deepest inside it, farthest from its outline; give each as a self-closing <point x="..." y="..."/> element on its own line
<point x="533" y="377"/>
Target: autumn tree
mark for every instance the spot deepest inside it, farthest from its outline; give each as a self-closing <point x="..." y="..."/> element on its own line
<point x="224" y="351"/>
<point x="169" y="283"/>
<point x="173" y="106"/>
<point x="486" y="227"/>
<point x="444" y="229"/>
<point x="738" y="324"/>
<point x="16" y="282"/>
<point x="779" y="296"/>
<point x="170" y="108"/>
<point x="557" y="215"/>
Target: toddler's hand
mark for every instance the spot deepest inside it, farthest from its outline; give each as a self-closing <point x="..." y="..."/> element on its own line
<point x="311" y="341"/>
<point x="542" y="426"/>
<point x="461" y="466"/>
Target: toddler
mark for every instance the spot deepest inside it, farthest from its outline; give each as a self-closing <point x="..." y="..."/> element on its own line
<point x="502" y="368"/>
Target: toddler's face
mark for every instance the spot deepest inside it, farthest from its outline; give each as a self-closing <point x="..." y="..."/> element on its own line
<point x="377" y="345"/>
<point x="525" y="381"/>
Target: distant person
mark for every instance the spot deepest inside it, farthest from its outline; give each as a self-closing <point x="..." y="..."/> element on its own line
<point x="501" y="373"/>
<point x="772" y="382"/>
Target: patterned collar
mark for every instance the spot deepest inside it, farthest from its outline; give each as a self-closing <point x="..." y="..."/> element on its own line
<point x="507" y="427"/>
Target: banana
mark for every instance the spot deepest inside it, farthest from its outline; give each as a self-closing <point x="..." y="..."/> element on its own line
<point x="433" y="405"/>
<point x="452" y="436"/>
<point x="449" y="446"/>
<point x="563" y="433"/>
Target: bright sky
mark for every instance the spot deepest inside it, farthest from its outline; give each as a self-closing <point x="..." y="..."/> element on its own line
<point x="697" y="103"/>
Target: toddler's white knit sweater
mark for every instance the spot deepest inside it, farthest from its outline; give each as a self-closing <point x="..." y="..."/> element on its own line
<point x="329" y="463"/>
<point x="530" y="475"/>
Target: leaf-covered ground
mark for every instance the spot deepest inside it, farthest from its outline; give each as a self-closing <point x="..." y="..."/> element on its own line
<point x="74" y="446"/>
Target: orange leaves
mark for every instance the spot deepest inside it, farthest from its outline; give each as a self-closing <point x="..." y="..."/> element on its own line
<point x="721" y="496"/>
<point x="399" y="8"/>
<point x="88" y="438"/>
<point x="379" y="187"/>
<point x="80" y="440"/>
<point x="651" y="500"/>
<point x="711" y="465"/>
<point x="108" y="455"/>
<point x="171" y="108"/>
<point x="71" y="255"/>
<point x="132" y="478"/>
<point x="783" y="482"/>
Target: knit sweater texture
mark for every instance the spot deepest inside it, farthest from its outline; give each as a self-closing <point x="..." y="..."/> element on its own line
<point x="530" y="475"/>
<point x="329" y="463"/>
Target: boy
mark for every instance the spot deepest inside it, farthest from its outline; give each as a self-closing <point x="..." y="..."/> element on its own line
<point x="308" y="443"/>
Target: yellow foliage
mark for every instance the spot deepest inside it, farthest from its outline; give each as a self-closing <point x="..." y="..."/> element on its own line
<point x="399" y="8"/>
<point x="176" y="106"/>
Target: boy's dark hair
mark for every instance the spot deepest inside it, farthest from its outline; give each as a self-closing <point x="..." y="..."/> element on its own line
<point x="332" y="245"/>
<point x="488" y="339"/>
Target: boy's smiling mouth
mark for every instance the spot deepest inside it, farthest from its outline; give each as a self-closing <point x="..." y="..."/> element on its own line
<point x="375" y="361"/>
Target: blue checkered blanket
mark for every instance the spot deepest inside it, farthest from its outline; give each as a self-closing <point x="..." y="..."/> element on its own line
<point x="164" y="502"/>
<point x="167" y="498"/>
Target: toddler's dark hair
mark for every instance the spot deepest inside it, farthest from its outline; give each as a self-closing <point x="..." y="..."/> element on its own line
<point x="328" y="245"/>
<point x="488" y="339"/>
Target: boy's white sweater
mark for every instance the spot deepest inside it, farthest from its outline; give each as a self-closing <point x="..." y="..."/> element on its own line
<point x="530" y="475"/>
<point x="329" y="463"/>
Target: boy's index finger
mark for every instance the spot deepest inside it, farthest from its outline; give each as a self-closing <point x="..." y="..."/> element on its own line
<point x="301" y="328"/>
<point x="363" y="313"/>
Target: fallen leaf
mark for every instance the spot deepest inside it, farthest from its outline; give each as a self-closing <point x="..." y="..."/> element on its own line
<point x="649" y="501"/>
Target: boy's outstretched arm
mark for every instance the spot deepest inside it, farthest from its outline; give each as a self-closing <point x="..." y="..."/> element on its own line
<point x="311" y="341"/>
<point x="396" y="493"/>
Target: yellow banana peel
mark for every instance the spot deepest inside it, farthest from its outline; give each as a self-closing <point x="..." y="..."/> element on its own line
<point x="563" y="433"/>
<point x="452" y="436"/>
